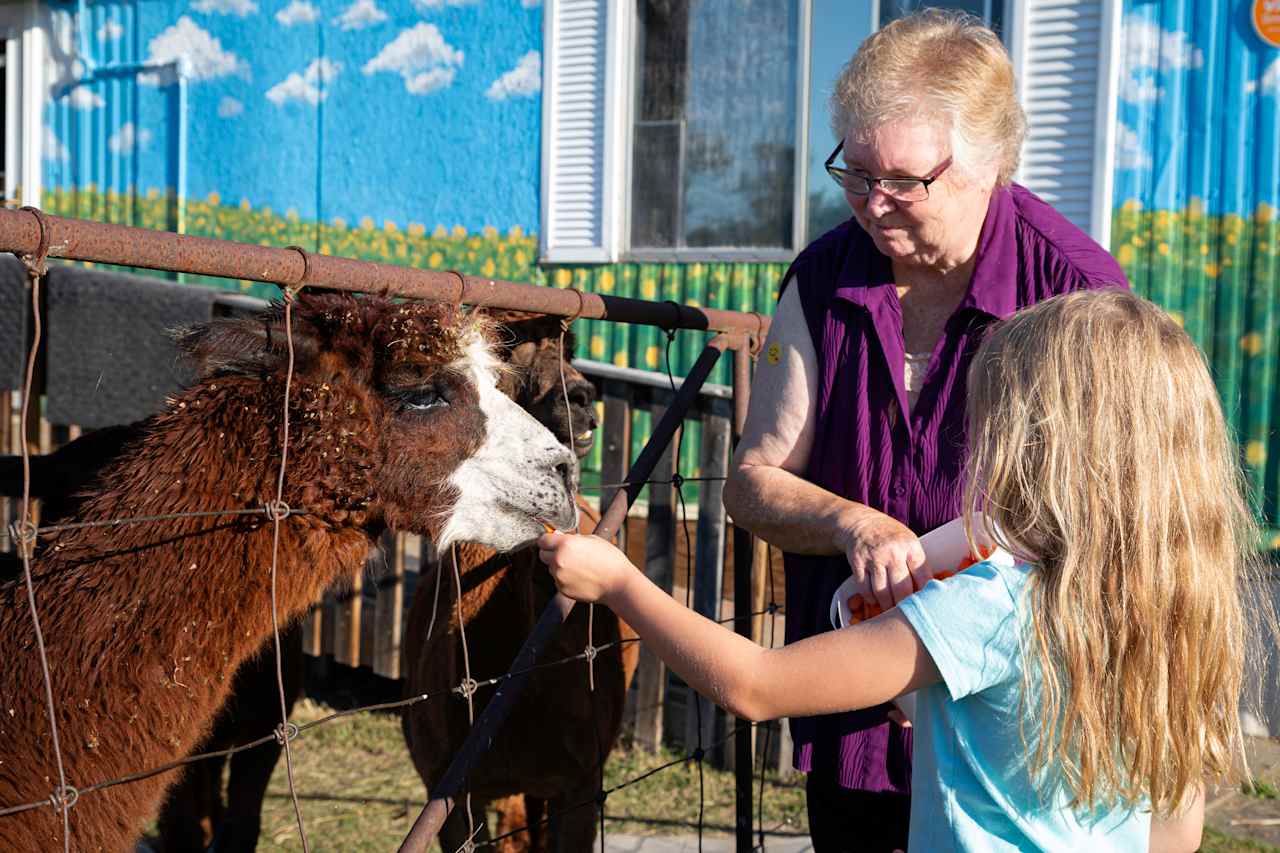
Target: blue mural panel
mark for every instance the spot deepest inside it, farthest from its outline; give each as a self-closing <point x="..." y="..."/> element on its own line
<point x="402" y="111"/>
<point x="1197" y="188"/>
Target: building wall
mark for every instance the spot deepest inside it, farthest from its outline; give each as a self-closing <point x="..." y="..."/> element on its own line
<point x="1197" y="190"/>
<point x="395" y="130"/>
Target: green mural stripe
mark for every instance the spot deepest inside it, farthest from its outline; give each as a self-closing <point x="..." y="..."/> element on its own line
<point x="1219" y="275"/>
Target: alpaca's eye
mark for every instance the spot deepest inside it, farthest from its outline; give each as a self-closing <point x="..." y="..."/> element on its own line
<point x="423" y="399"/>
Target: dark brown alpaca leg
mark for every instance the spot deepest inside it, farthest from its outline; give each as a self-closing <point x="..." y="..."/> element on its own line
<point x="254" y="712"/>
<point x="515" y="813"/>
<point x="573" y="830"/>
<point x="193" y="809"/>
<point x="535" y="809"/>
<point x="456" y="830"/>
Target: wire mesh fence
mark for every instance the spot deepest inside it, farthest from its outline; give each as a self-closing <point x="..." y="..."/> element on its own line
<point x="26" y="532"/>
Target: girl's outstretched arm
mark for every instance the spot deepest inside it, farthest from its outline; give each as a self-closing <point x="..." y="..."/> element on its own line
<point x="858" y="667"/>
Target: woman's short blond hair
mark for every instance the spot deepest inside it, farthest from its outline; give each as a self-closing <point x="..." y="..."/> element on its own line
<point x="943" y="67"/>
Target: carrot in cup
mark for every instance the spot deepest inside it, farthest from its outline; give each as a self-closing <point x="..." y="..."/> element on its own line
<point x="860" y="610"/>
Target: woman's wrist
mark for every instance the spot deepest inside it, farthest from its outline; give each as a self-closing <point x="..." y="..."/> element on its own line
<point x="847" y="525"/>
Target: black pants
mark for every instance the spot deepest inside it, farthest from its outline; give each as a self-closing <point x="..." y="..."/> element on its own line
<point x="845" y="821"/>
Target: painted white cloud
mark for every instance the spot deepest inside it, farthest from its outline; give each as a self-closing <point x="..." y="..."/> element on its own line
<point x="429" y="81"/>
<point x="84" y="98"/>
<point x="229" y="107"/>
<point x="360" y="14"/>
<point x="309" y="86"/>
<point x="1148" y="45"/>
<point x="53" y="147"/>
<point x="1129" y="151"/>
<point x="298" y="12"/>
<point x="1147" y="49"/>
<point x="239" y="8"/>
<point x="531" y="4"/>
<point x="203" y="54"/>
<point x="421" y="56"/>
<point x="523" y="80"/>
<point x="1140" y="88"/>
<point x="1269" y="82"/>
<point x="433" y="5"/>
<point x="128" y="137"/>
<point x="110" y="31"/>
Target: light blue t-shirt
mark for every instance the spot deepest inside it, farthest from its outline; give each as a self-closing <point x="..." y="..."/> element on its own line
<point x="970" y="788"/>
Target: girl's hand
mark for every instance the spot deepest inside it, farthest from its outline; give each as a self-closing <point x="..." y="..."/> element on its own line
<point x="884" y="557"/>
<point x="585" y="568"/>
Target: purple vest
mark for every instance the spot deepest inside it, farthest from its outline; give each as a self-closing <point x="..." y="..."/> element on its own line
<point x="907" y="467"/>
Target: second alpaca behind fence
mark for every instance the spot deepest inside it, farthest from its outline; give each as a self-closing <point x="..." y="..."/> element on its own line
<point x="544" y="763"/>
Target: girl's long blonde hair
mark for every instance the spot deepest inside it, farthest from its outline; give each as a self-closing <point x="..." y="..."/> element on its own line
<point x="1097" y="447"/>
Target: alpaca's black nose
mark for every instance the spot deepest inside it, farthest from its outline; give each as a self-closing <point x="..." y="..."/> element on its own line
<point x="565" y="471"/>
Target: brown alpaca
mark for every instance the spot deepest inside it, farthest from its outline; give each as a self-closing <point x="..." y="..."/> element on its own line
<point x="545" y="758"/>
<point x="396" y="421"/>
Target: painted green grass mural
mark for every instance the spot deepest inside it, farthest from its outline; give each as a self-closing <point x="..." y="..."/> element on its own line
<point x="1219" y="276"/>
<point x="511" y="256"/>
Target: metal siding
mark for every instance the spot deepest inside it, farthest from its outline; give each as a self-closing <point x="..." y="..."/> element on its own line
<point x="1060" y="75"/>
<point x="1197" y="186"/>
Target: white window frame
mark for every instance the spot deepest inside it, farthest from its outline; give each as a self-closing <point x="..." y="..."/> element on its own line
<point x="25" y="47"/>
<point x="613" y="201"/>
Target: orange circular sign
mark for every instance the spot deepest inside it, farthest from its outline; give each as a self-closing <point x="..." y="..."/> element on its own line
<point x="1266" y="21"/>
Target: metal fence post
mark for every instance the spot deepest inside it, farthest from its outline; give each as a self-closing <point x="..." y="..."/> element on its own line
<point x="743" y="551"/>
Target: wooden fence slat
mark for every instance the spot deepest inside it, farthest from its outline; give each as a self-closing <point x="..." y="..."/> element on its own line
<point x="353" y="606"/>
<point x="329" y="626"/>
<point x="390" y="609"/>
<point x="659" y="564"/>
<point x="8" y="509"/>
<point x="708" y="580"/>
<point x="312" y="637"/>
<point x="616" y="440"/>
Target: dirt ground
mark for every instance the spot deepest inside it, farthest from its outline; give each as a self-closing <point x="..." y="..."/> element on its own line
<point x="1252" y="815"/>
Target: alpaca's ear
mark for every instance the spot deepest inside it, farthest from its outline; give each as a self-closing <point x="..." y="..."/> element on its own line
<point x="521" y="355"/>
<point x="245" y="345"/>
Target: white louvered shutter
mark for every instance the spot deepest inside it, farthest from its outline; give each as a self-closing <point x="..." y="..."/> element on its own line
<point x="581" y="130"/>
<point x="1066" y="57"/>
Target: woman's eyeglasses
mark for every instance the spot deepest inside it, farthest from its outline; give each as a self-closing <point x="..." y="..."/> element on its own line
<point x="901" y="189"/>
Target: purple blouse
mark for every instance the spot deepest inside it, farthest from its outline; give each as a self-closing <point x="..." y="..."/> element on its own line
<point x="907" y="467"/>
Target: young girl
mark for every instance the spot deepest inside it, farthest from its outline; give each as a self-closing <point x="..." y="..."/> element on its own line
<point x="1072" y="691"/>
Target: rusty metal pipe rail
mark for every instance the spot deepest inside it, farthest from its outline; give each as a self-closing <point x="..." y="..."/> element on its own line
<point x="431" y="819"/>
<point x="22" y="232"/>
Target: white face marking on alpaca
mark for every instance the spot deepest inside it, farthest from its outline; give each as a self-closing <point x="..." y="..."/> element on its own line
<point x="519" y="475"/>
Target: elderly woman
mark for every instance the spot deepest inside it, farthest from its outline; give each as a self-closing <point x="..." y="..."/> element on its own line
<point x="854" y="443"/>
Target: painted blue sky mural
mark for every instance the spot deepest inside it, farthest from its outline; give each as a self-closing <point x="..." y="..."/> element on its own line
<point x="1198" y="108"/>
<point x="423" y="111"/>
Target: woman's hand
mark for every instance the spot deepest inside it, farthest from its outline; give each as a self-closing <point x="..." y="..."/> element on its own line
<point x="585" y="568"/>
<point x="885" y="557"/>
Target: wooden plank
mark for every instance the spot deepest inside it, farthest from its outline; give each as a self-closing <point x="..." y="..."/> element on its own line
<point x="759" y="581"/>
<point x="659" y="566"/>
<point x="354" y="607"/>
<point x="312" y="636"/>
<point x="615" y="438"/>
<point x="336" y="629"/>
<point x="329" y="626"/>
<point x="390" y="609"/>
<point x="8" y="509"/>
<point x="708" y="580"/>
<point x="369" y="623"/>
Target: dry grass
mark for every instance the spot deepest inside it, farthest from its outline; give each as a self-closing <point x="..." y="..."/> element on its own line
<point x="359" y="792"/>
